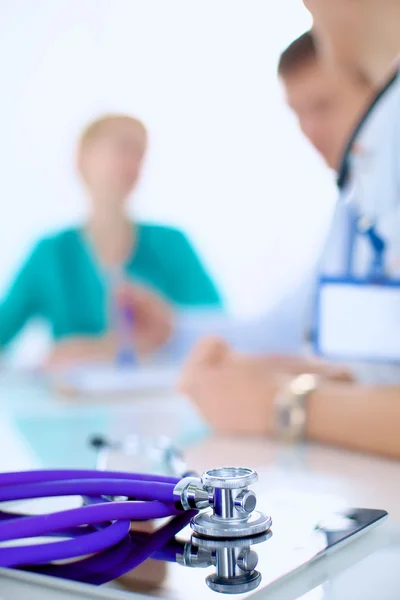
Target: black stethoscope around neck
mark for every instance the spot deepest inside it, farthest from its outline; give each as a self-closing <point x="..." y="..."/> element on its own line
<point x="363" y="225"/>
<point x="344" y="169"/>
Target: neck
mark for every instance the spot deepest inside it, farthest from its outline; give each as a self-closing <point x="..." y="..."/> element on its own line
<point x="111" y="234"/>
<point x="385" y="35"/>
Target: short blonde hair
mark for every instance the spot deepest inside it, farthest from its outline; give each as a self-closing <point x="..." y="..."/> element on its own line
<point x="96" y="128"/>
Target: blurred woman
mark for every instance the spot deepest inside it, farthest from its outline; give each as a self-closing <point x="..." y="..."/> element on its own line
<point x="72" y="278"/>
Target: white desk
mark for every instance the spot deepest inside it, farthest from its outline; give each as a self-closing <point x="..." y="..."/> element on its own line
<point x="333" y="476"/>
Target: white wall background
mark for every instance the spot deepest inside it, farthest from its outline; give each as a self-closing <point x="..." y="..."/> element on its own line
<point x="226" y="160"/>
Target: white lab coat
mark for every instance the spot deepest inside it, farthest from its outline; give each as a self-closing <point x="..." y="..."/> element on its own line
<point x="372" y="192"/>
<point x="373" y="188"/>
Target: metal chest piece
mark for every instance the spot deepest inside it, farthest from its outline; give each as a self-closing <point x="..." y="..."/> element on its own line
<point x="233" y="504"/>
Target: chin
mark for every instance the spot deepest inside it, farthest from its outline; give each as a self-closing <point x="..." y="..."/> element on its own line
<point x="330" y="163"/>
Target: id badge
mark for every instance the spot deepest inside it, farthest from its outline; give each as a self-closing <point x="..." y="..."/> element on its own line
<point x="358" y="319"/>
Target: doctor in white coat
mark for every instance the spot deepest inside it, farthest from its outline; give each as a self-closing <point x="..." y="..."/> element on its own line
<point x="361" y="275"/>
<point x="245" y="394"/>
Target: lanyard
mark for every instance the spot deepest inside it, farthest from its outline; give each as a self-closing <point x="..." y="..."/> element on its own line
<point x="362" y="226"/>
<point x="378" y="247"/>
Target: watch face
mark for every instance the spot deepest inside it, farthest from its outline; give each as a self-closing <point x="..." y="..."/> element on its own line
<point x="168" y="561"/>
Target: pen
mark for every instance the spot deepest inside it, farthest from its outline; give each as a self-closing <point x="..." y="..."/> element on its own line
<point x="126" y="352"/>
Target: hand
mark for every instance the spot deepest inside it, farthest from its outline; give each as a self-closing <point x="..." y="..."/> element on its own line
<point x="235" y="392"/>
<point x="213" y="352"/>
<point x="153" y="324"/>
<point x="153" y="318"/>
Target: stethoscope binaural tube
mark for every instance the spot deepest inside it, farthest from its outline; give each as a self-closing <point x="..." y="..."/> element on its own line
<point x="105" y="523"/>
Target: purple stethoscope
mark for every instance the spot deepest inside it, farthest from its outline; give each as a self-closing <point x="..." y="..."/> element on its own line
<point x="97" y="539"/>
<point x="218" y="506"/>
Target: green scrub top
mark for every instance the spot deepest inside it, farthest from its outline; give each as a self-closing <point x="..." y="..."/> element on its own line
<point x="62" y="283"/>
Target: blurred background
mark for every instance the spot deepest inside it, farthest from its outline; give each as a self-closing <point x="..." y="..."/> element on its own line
<point x="226" y="162"/>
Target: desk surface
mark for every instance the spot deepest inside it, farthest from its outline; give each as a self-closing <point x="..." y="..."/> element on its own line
<point x="311" y="473"/>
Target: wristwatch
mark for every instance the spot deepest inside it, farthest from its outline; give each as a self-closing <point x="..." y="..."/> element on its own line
<point x="290" y="407"/>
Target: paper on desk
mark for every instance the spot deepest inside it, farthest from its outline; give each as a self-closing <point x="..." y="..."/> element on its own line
<point x="100" y="379"/>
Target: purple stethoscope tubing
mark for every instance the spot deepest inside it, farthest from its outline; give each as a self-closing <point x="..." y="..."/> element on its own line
<point x="140" y="490"/>
<point x="106" y="523"/>
<point x="90" y="543"/>
<point x="45" y="475"/>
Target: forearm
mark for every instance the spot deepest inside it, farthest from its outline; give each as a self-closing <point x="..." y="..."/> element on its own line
<point x="296" y="365"/>
<point x="82" y="349"/>
<point x="356" y="417"/>
<point x="239" y="399"/>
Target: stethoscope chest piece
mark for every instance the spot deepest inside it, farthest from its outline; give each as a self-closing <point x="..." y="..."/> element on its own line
<point x="232" y="513"/>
